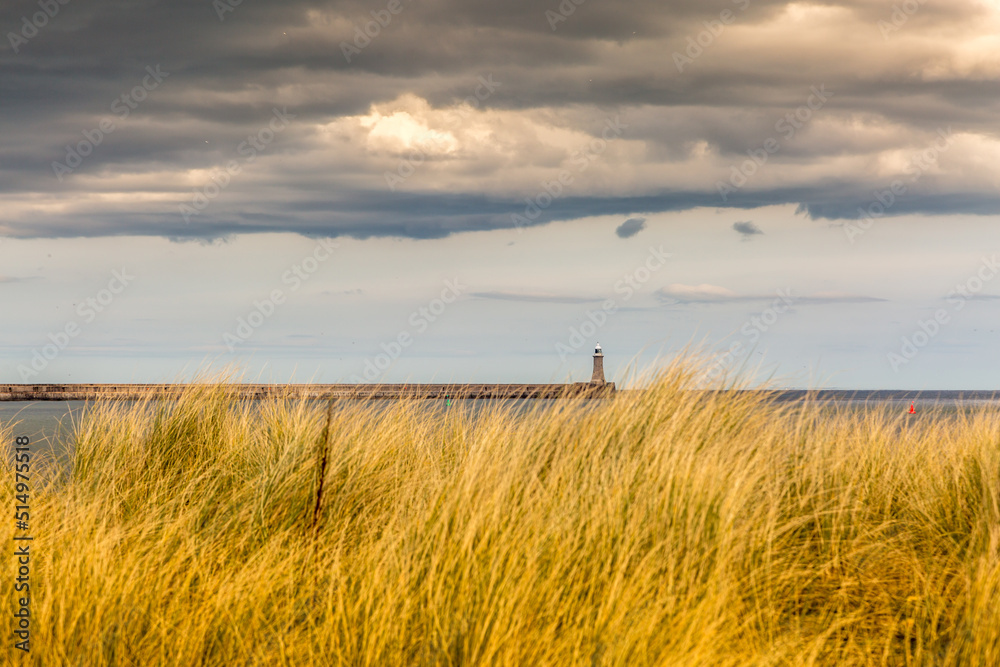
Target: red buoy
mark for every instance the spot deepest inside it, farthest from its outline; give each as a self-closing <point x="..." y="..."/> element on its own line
<point x="912" y="410"/>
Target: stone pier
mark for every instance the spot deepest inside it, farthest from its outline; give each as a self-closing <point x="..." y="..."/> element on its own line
<point x="596" y="388"/>
<point x="136" y="392"/>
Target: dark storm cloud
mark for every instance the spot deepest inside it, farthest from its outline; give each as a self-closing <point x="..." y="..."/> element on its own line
<point x="362" y="214"/>
<point x="746" y="229"/>
<point x="630" y="228"/>
<point x="605" y="59"/>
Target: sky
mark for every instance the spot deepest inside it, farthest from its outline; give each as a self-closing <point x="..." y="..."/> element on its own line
<point x="481" y="191"/>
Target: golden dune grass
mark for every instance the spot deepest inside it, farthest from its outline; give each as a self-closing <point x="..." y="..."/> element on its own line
<point x="659" y="528"/>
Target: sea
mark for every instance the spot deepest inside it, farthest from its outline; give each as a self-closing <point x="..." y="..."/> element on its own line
<point x="48" y="425"/>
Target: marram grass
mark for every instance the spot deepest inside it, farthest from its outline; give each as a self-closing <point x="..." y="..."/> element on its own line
<point x="661" y="528"/>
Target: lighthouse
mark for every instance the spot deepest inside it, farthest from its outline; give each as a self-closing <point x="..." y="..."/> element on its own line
<point x="598" y="376"/>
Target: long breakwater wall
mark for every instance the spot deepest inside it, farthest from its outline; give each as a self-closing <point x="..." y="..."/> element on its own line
<point x="136" y="392"/>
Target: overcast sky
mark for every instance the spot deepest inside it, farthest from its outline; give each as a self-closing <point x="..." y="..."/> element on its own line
<point x="483" y="190"/>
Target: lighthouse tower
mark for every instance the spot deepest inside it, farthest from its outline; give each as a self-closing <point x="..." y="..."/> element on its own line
<point x="598" y="376"/>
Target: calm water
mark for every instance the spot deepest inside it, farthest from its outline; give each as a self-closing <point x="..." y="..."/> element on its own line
<point x="49" y="425"/>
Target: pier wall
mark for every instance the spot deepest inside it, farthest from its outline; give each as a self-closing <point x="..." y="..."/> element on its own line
<point x="134" y="392"/>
